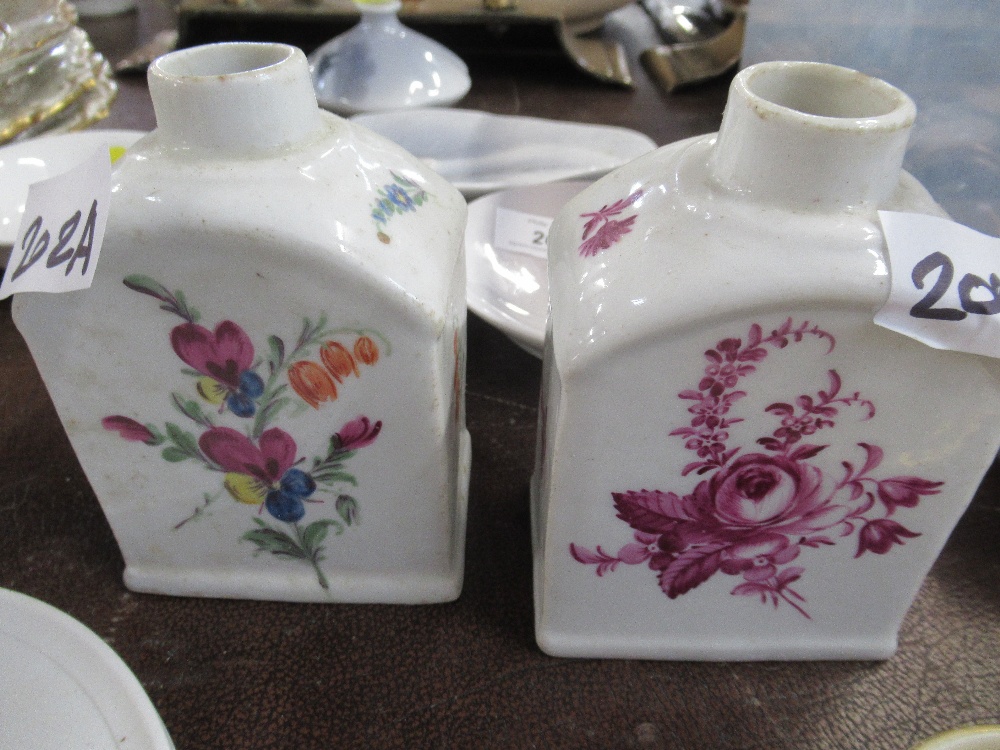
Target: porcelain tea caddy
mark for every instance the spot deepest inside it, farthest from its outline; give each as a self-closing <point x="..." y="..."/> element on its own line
<point x="734" y="462"/>
<point x="264" y="385"/>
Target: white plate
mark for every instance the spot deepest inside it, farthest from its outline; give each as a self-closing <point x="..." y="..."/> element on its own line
<point x="480" y="153"/>
<point x="507" y="287"/>
<point x="35" y="159"/>
<point x="61" y="686"/>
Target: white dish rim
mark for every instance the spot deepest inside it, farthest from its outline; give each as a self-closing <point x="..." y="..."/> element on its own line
<point x="91" y="663"/>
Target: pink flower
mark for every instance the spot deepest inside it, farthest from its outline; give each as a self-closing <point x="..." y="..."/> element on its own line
<point x="644" y="547"/>
<point x="905" y="491"/>
<point x="235" y="452"/>
<point x="757" y="489"/>
<point x="608" y="230"/>
<point x="358" y="433"/>
<point x="758" y="558"/>
<point x="880" y="535"/>
<point x="130" y="430"/>
<point x="223" y="355"/>
<point x="609" y="233"/>
<point x="224" y="358"/>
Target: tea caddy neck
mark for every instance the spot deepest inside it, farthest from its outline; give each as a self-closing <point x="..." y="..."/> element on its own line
<point x="811" y="136"/>
<point x="234" y="98"/>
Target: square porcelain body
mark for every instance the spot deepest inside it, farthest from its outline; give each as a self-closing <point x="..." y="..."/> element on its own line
<point x="264" y="383"/>
<point x="734" y="462"/>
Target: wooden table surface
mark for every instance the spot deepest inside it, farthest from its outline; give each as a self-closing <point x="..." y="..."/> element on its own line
<point x="242" y="674"/>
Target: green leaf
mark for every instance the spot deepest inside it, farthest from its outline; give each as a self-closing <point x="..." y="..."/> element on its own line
<point x="174" y="455"/>
<point x="146" y="285"/>
<point x="189" y="312"/>
<point x="183" y="440"/>
<point x="190" y="409"/>
<point x="157" y="438"/>
<point x="331" y="477"/>
<point x="400" y="180"/>
<point x="347" y="507"/>
<point x="274" y="541"/>
<point x="316" y="532"/>
<point x="277" y="347"/>
<point x="270" y="411"/>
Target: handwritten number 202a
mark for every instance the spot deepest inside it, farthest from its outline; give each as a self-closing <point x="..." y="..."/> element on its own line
<point x="925" y="307"/>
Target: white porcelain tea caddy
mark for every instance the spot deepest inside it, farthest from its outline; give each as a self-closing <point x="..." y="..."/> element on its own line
<point x="734" y="461"/>
<point x="264" y="385"/>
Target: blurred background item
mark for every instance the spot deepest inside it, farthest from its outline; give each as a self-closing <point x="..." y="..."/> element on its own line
<point x="53" y="78"/>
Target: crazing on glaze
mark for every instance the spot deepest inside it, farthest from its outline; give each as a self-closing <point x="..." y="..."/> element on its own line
<point x="760" y="508"/>
<point x="400" y="196"/>
<point x="602" y="230"/>
<point x="260" y="463"/>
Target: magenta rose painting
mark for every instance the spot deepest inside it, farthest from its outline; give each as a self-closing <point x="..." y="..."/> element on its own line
<point x="294" y="498"/>
<point x="754" y="510"/>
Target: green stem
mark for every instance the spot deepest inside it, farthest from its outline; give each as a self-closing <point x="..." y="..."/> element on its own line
<point x="311" y="555"/>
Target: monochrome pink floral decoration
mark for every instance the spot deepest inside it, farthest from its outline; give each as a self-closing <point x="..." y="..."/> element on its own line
<point x="760" y="509"/>
<point x="602" y="230"/>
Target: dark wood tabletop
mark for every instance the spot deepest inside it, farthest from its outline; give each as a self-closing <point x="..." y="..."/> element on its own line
<point x="245" y="674"/>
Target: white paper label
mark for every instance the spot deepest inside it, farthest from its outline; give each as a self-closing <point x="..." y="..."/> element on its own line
<point x="521" y="233"/>
<point x="60" y="235"/>
<point x="945" y="283"/>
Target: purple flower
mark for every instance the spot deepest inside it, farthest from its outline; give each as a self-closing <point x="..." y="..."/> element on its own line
<point x="358" y="433"/>
<point x="905" y="491"/>
<point x="757" y="489"/>
<point x="262" y="473"/>
<point x="758" y="558"/>
<point x="609" y="233"/>
<point x="879" y="536"/>
<point x="131" y="430"/>
<point x="608" y="230"/>
<point x="225" y="358"/>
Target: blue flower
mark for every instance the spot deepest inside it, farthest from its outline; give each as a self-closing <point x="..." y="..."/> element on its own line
<point x="286" y="502"/>
<point x="400" y="197"/>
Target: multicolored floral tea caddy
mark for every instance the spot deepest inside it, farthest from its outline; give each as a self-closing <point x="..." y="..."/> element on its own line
<point x="734" y="461"/>
<point x="265" y="383"/>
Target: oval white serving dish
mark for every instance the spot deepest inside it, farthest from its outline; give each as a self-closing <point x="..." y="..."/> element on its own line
<point x="481" y="153"/>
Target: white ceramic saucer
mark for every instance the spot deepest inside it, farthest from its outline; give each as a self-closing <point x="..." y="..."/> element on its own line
<point x="61" y="686"/>
<point x="480" y="153"/>
<point x="506" y="263"/>
<point x="35" y="159"/>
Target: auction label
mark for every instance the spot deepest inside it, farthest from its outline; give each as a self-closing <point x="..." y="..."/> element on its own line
<point x="521" y="232"/>
<point x="60" y="235"/>
<point x="945" y="283"/>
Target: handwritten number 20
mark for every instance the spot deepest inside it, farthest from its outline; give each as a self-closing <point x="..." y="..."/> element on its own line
<point x="925" y="307"/>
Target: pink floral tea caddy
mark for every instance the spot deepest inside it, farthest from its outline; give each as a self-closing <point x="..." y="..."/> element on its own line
<point x="734" y="462"/>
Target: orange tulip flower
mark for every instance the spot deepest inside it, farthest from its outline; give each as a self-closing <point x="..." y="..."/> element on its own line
<point x="311" y="382"/>
<point x="338" y="360"/>
<point x="366" y="350"/>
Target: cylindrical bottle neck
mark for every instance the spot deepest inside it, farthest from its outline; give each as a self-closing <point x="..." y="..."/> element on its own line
<point x="234" y="98"/>
<point x="810" y="135"/>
